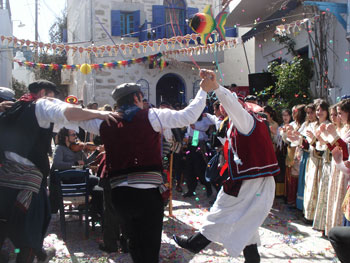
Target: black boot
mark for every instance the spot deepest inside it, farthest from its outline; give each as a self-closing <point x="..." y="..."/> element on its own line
<point x="194" y="244"/>
<point x="251" y="254"/>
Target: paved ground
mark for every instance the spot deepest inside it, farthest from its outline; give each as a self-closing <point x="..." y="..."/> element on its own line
<point x="285" y="238"/>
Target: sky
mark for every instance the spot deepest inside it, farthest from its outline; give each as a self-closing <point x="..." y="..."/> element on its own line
<point x="24" y="10"/>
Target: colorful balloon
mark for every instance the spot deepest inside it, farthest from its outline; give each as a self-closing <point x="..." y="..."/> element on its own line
<point x="85" y="68"/>
<point x="204" y="23"/>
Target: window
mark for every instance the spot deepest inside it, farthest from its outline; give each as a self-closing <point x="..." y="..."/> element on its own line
<point x="175" y="18"/>
<point x="125" y="24"/>
<point x="171" y="17"/>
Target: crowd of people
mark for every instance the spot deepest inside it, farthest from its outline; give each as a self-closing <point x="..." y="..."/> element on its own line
<point x="247" y="153"/>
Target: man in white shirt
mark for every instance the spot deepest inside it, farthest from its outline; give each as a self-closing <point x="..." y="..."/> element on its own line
<point x="133" y="163"/>
<point x="25" y="137"/>
<point x="247" y="195"/>
<point x="196" y="156"/>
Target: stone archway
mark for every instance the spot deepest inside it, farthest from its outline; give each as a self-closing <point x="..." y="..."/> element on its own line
<point x="170" y="88"/>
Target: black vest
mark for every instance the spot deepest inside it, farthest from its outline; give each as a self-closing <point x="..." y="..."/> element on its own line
<point x="20" y="133"/>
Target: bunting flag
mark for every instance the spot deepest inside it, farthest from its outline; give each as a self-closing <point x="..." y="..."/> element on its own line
<point x="100" y="51"/>
<point x="295" y="26"/>
<point x="154" y="60"/>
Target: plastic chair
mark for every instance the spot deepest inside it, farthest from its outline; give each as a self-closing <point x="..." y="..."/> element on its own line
<point x="72" y="192"/>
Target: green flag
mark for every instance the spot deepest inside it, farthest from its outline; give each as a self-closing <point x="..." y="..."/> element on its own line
<point x="195" y="138"/>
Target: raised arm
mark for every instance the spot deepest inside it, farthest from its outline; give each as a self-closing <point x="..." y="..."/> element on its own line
<point x="66" y="115"/>
<point x="167" y="119"/>
<point x="240" y="118"/>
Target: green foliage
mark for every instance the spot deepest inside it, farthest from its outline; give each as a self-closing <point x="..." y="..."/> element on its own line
<point x="292" y="84"/>
<point x="57" y="28"/>
<point x="19" y="88"/>
<point x="288" y="42"/>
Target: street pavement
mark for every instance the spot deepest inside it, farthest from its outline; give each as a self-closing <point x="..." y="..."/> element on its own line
<point x="284" y="237"/>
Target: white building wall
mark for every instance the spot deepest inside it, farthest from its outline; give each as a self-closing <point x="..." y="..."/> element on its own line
<point x="5" y="51"/>
<point x="339" y="69"/>
<point x="98" y="85"/>
<point x="337" y="47"/>
<point x="235" y="67"/>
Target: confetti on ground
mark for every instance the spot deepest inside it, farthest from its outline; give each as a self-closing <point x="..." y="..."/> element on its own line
<point x="284" y="238"/>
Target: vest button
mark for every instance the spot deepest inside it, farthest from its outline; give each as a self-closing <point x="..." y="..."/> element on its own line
<point x="135" y="161"/>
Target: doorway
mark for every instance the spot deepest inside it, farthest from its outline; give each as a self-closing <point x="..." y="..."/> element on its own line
<point x="170" y="88"/>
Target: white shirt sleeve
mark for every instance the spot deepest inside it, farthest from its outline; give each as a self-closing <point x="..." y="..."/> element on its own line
<point x="240" y="118"/>
<point x="52" y="111"/>
<point x="213" y="119"/>
<point x="167" y="119"/>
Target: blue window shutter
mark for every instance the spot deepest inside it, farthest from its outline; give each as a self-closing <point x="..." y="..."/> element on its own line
<point x="123" y="25"/>
<point x="115" y="22"/>
<point x="231" y="31"/>
<point x="136" y="15"/>
<point x="158" y="16"/>
<point x="190" y="12"/>
<point x="143" y="32"/>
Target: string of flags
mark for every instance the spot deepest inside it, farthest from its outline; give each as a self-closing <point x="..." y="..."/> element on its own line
<point x="153" y="60"/>
<point x="290" y="28"/>
<point x="99" y="51"/>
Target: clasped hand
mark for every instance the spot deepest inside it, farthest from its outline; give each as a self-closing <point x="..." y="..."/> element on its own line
<point x="208" y="82"/>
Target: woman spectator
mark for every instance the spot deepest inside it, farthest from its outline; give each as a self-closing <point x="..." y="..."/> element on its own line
<point x="340" y="236"/>
<point x="273" y="126"/>
<point x="322" y="177"/>
<point x="294" y="154"/>
<point x="342" y="140"/>
<point x="312" y="166"/>
<point x="333" y="216"/>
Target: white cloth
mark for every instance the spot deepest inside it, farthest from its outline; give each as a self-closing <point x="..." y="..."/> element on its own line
<point x="47" y="111"/>
<point x="235" y="221"/>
